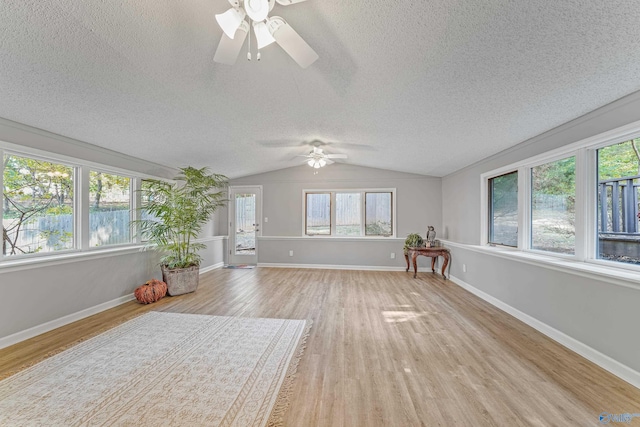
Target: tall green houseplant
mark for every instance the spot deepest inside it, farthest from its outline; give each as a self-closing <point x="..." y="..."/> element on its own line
<point x="172" y="217"/>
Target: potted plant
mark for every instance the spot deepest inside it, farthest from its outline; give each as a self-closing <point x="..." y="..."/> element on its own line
<point x="172" y="217"/>
<point x="413" y="240"/>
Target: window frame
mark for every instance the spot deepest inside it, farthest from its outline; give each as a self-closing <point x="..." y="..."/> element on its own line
<point x="586" y="238"/>
<point x="363" y="192"/>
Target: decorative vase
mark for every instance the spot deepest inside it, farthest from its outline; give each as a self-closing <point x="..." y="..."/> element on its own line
<point x="181" y="280"/>
<point x="151" y="291"/>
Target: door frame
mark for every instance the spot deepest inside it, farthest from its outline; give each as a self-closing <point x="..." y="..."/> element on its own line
<point x="234" y="189"/>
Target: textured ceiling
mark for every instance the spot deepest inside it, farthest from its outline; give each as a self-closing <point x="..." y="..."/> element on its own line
<point x="417" y="86"/>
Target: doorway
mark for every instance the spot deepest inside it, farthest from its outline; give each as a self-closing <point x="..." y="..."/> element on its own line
<point x="245" y="211"/>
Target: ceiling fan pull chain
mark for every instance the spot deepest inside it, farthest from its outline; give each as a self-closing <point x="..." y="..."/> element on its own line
<point x="249" y="46"/>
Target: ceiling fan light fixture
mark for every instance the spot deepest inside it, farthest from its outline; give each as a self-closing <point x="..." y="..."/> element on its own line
<point x="230" y="21"/>
<point x="322" y="162"/>
<point x="311" y="162"/>
<point x="263" y="36"/>
<point x="257" y="9"/>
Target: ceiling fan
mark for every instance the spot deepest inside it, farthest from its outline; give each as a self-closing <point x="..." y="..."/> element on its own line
<point x="317" y="158"/>
<point x="266" y="29"/>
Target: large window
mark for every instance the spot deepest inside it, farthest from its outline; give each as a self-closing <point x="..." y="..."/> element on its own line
<point x="581" y="201"/>
<point x="110" y="209"/>
<point x="346" y="213"/>
<point x="553" y="203"/>
<point x="52" y="205"/>
<point x="38" y="209"/>
<point x="503" y="215"/>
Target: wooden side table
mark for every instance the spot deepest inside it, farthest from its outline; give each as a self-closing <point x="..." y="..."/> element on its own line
<point x="433" y="252"/>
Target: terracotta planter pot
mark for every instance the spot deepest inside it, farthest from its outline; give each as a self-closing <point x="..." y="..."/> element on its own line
<point x="181" y="280"/>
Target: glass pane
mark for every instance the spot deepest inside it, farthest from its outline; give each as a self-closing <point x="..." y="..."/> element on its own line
<point x="348" y="214"/>
<point x="318" y="219"/>
<point x="553" y="201"/>
<point x="245" y="224"/>
<point x="503" y="218"/>
<point x="109" y="209"/>
<point x="38" y="206"/>
<point x="378" y="214"/>
<point x="618" y="182"/>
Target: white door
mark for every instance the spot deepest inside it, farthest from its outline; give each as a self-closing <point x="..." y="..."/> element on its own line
<point x="245" y="211"/>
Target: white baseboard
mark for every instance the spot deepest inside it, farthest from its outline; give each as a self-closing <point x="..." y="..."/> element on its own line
<point x="211" y="267"/>
<point x="65" y="320"/>
<point x="340" y="267"/>
<point x="616" y="368"/>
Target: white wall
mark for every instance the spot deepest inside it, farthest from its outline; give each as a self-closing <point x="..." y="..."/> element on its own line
<point x="418" y="206"/>
<point x="42" y="293"/>
<point x="594" y="311"/>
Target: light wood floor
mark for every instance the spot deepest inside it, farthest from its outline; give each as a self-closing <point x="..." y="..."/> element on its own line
<point x="389" y="350"/>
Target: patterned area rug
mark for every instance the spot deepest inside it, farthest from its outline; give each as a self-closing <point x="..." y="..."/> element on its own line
<point x="164" y="369"/>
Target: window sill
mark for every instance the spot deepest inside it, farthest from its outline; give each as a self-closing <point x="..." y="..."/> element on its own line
<point x="621" y="276"/>
<point x="26" y="263"/>
<point x="333" y="238"/>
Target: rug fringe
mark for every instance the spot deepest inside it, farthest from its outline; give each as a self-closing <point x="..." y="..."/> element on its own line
<point x="283" y="401"/>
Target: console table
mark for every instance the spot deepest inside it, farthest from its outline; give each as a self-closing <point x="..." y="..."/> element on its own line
<point x="433" y="252"/>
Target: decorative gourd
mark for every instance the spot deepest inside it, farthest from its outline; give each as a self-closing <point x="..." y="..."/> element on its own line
<point x="151" y="291"/>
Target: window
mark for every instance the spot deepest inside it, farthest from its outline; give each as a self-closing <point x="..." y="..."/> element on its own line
<point x="318" y="213"/>
<point x="38" y="209"/>
<point x="618" y="182"/>
<point x="110" y="209"/>
<point x="553" y="203"/>
<point x="378" y="214"/>
<point x="349" y="213"/>
<point x="503" y="215"/>
<point x="46" y="208"/>
<point x="581" y="201"/>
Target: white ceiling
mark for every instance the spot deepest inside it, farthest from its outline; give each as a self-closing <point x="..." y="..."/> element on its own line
<point x="417" y="86"/>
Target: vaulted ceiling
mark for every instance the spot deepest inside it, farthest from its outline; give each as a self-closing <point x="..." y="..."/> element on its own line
<point x="416" y="86"/>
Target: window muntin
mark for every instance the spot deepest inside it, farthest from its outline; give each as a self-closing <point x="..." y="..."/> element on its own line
<point x="378" y="214"/>
<point x="349" y="213"/>
<point x="318" y="214"/>
<point x="553" y="203"/>
<point x="618" y="170"/>
<point x="38" y="206"/>
<point x="503" y="209"/>
<point x="109" y="209"/>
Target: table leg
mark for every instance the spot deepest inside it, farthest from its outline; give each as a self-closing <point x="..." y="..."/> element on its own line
<point x="433" y="263"/>
<point x="445" y="263"/>
<point x="414" y="258"/>
<point x="406" y="256"/>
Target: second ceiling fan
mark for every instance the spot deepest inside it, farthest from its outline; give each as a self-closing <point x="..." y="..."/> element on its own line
<point x="266" y="29"/>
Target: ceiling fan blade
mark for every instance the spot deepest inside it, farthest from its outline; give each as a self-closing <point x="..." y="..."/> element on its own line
<point x="336" y="156"/>
<point x="229" y="48"/>
<point x="289" y="2"/>
<point x="329" y="162"/>
<point x="291" y="42"/>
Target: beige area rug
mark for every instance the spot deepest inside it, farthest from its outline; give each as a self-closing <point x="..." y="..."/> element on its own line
<point x="163" y="369"/>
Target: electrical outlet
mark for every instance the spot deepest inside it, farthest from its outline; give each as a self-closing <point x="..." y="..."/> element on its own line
<point x="464" y="268"/>
<point x="290" y="253"/>
<point x="266" y="219"/>
<point x="393" y="255"/>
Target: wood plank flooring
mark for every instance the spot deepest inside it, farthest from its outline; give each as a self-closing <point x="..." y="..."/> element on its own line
<point x="389" y="350"/>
